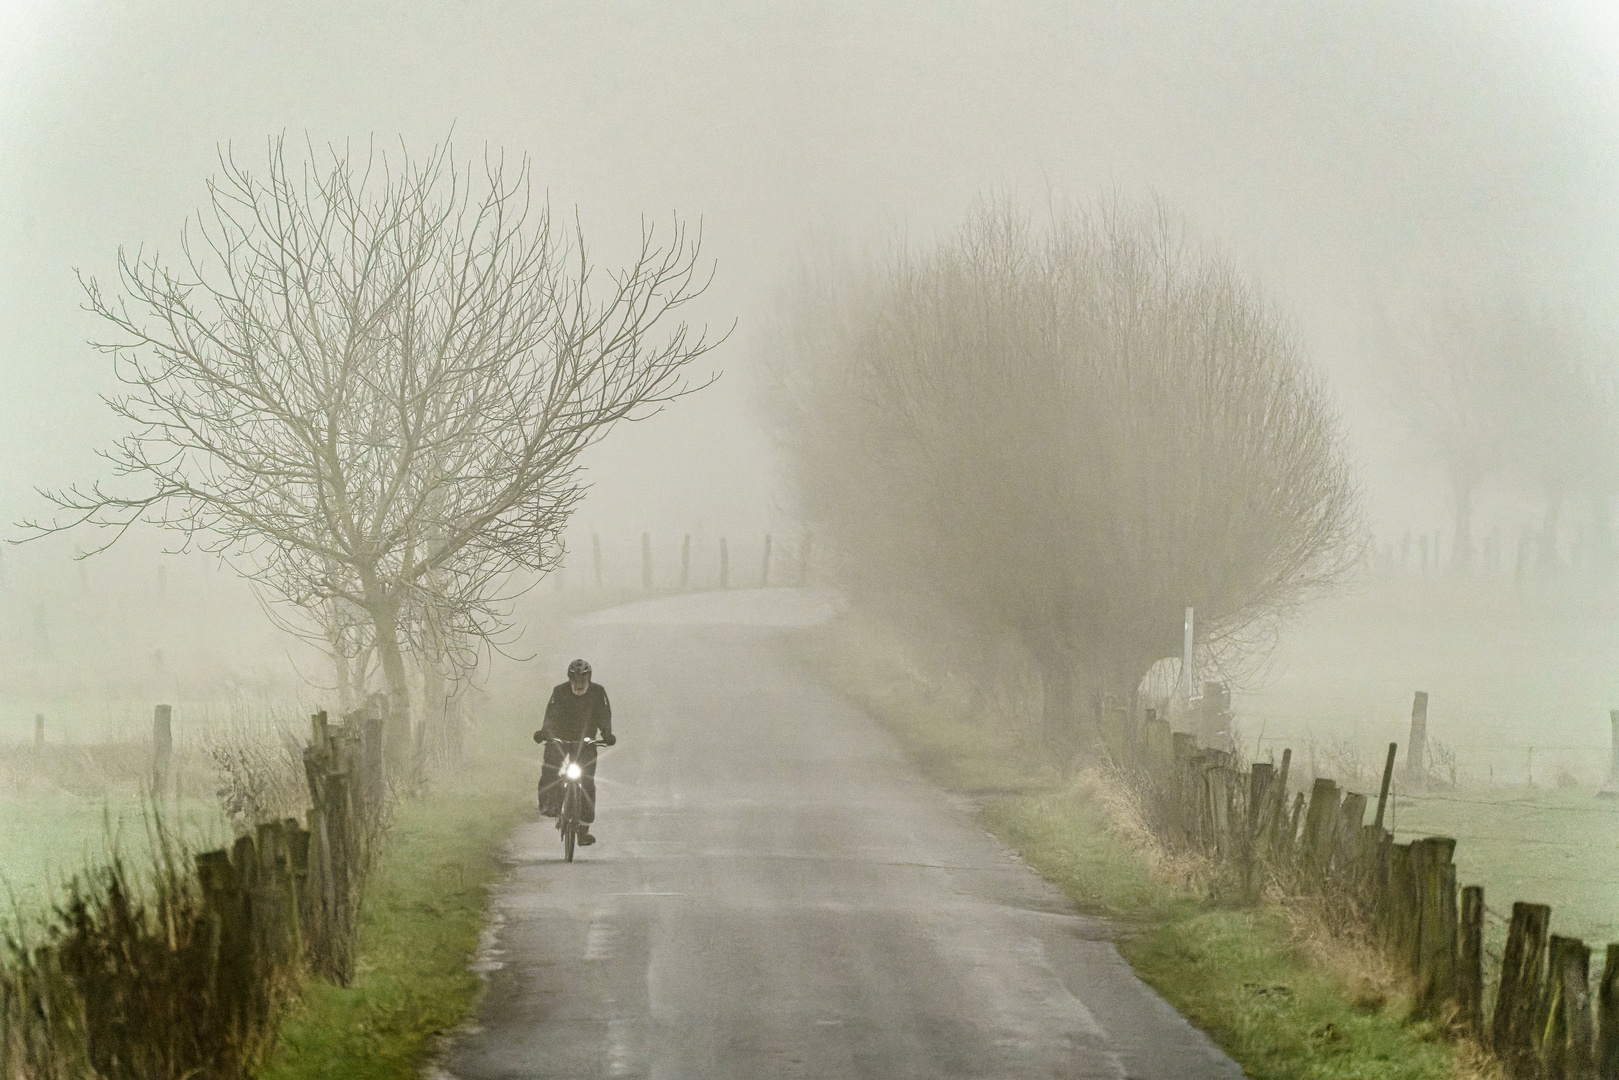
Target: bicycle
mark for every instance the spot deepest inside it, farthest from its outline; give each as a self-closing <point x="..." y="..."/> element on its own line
<point x="570" y="774"/>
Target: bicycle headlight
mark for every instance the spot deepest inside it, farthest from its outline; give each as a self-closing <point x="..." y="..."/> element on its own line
<point x="574" y="771"/>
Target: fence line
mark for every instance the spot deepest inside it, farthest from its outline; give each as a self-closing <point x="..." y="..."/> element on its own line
<point x="190" y="980"/>
<point x="1204" y="800"/>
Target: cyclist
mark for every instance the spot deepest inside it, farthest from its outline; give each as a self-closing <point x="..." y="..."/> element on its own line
<point x="578" y="710"/>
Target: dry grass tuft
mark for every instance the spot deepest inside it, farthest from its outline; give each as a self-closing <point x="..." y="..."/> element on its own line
<point x="1122" y="803"/>
<point x="1337" y="937"/>
<point x="1474" y="1062"/>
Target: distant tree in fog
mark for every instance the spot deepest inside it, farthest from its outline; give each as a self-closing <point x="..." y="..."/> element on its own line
<point x="1497" y="391"/>
<point x="1071" y="433"/>
<point x="367" y="386"/>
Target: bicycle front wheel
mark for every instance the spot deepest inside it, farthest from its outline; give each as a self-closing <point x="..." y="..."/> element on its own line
<point x="568" y="822"/>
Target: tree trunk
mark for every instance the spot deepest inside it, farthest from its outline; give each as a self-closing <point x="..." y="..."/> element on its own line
<point x="1602" y="545"/>
<point x="345" y="679"/>
<point x="396" y="737"/>
<point x="1461" y="547"/>
<point x="1068" y="717"/>
<point x="434" y="690"/>
<point x="1548" y="559"/>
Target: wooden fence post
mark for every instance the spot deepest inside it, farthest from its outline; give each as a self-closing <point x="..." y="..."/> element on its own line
<point x="1115" y="736"/>
<point x="39" y="731"/>
<point x="1435" y="876"/>
<point x="1160" y="751"/>
<point x="646" y="562"/>
<point x="1217" y="789"/>
<point x="1290" y="833"/>
<point x="1383" y="791"/>
<point x="1512" y="1028"/>
<point x="685" y="563"/>
<point x="373" y="777"/>
<point x="1607" y="1054"/>
<point x="1416" y="766"/>
<point x="1347" y="836"/>
<point x="596" y="558"/>
<point x="1261" y="811"/>
<point x="1566" y="1035"/>
<point x="1470" y="961"/>
<point x="162" y="748"/>
<point x="1279" y="810"/>
<point x="1398" y="907"/>
<point x="340" y="837"/>
<point x="231" y="971"/>
<point x="1319" y="822"/>
<point x="725" y="565"/>
<point x="804" y="558"/>
<point x="764" y="573"/>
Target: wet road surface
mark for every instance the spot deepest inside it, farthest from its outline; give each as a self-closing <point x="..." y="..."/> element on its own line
<point x="778" y="893"/>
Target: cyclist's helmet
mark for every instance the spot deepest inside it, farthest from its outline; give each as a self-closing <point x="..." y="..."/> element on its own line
<point x="579" y="669"/>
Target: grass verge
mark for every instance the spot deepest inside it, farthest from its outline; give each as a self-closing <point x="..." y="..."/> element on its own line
<point x="420" y="923"/>
<point x="1275" y="988"/>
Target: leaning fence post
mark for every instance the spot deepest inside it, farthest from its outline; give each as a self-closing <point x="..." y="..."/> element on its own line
<point x="1512" y="1028"/>
<point x="1383" y="791"/>
<point x="1279" y="803"/>
<point x="764" y="573"/>
<point x="1416" y="769"/>
<point x="1607" y="1054"/>
<point x="1470" y="961"/>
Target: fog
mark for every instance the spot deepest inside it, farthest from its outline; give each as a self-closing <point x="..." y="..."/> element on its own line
<point x="1346" y="160"/>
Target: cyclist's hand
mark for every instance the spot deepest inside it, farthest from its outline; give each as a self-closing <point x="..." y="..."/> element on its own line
<point x="609" y="740"/>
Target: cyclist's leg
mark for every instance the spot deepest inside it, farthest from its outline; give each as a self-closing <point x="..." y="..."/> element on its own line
<point x="550" y="787"/>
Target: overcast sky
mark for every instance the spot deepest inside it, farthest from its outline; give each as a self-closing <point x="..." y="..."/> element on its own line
<point x="1345" y="154"/>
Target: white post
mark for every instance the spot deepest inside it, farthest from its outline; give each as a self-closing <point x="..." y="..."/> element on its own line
<point x="1186" y="661"/>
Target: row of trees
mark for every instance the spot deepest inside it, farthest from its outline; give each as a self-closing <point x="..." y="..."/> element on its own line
<point x="1508" y="397"/>
<point x="366" y="384"/>
<point x="1067" y="432"/>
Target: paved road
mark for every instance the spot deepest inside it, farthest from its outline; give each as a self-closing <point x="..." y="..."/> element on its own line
<point x="777" y="893"/>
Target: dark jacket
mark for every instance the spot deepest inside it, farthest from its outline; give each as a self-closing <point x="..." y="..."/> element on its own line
<point x="572" y="717"/>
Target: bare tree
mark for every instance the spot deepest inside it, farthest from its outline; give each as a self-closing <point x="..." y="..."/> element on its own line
<point x="1071" y="435"/>
<point x="367" y="385"/>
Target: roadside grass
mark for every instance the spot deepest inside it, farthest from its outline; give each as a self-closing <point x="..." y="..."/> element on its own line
<point x="420" y="922"/>
<point x="1259" y="979"/>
